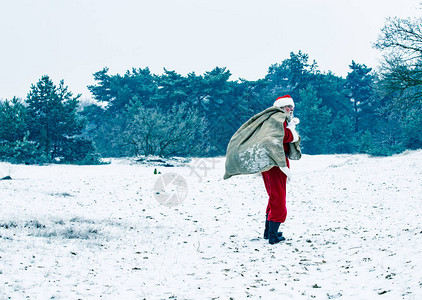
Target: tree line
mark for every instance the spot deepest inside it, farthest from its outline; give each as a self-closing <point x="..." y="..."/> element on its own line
<point x="140" y="113"/>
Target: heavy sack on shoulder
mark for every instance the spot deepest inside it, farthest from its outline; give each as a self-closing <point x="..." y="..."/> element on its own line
<point x="257" y="145"/>
<point x="294" y="150"/>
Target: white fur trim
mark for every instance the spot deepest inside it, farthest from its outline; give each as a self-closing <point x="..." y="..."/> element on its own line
<point x="287" y="171"/>
<point x="295" y="135"/>
<point x="282" y="102"/>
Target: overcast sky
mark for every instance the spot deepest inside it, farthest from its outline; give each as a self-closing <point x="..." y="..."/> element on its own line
<point x="72" y="39"/>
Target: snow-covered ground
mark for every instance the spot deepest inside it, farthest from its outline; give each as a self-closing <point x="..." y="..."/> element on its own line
<point x="354" y="231"/>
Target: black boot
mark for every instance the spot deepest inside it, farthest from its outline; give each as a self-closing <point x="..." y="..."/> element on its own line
<point x="273" y="233"/>
<point x="279" y="234"/>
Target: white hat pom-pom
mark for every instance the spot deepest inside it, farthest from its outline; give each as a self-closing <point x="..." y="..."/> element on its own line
<point x="296" y="120"/>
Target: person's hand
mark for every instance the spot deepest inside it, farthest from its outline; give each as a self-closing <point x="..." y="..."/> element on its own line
<point x="292" y="124"/>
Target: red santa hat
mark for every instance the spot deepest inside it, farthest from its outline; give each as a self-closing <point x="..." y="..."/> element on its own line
<point x="284" y="101"/>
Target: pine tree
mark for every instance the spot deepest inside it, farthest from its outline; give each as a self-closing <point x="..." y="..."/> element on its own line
<point x="291" y="75"/>
<point x="51" y="117"/>
<point x="14" y="144"/>
<point x="359" y="82"/>
<point x="12" y="120"/>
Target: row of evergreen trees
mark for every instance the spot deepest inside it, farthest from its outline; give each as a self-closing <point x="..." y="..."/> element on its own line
<point x="140" y="113"/>
<point x="148" y="114"/>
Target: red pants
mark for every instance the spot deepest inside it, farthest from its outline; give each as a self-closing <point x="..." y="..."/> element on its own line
<point x="275" y="184"/>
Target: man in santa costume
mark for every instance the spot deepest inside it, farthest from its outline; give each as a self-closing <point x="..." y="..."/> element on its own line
<point x="275" y="179"/>
<point x="263" y="145"/>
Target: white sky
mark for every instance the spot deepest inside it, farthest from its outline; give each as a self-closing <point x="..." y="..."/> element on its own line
<point x="72" y="39"/>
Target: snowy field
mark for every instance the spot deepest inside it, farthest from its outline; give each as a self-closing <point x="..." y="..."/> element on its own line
<point x="354" y="231"/>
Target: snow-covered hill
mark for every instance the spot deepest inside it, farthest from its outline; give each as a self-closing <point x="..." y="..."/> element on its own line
<point x="354" y="231"/>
